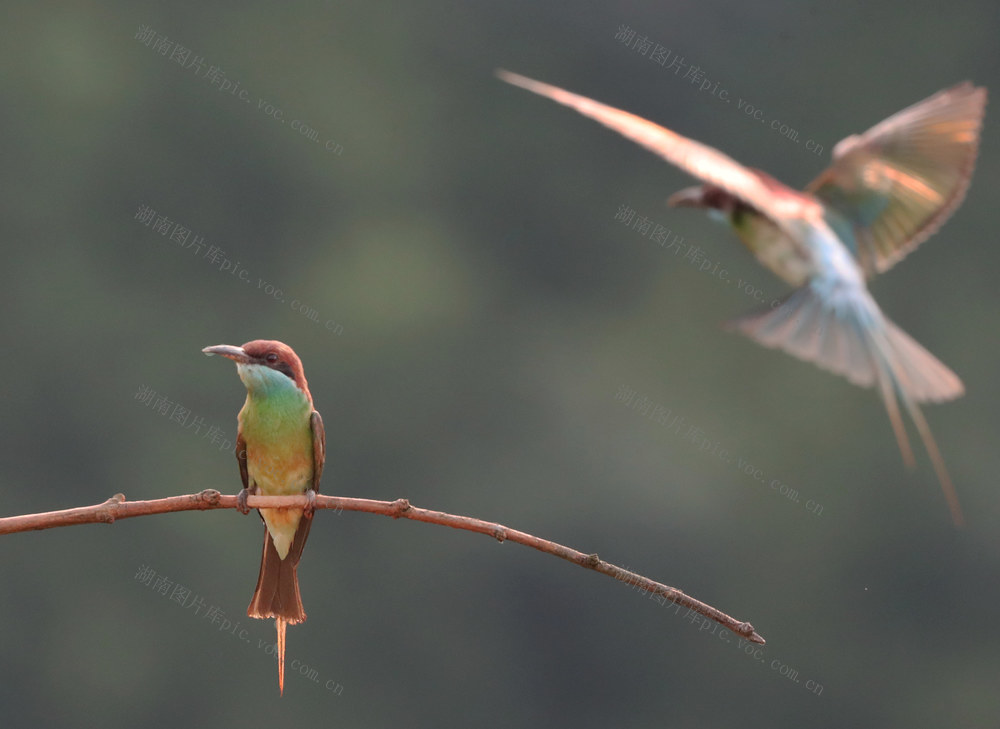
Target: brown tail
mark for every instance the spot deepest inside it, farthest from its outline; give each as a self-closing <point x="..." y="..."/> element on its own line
<point x="277" y="593"/>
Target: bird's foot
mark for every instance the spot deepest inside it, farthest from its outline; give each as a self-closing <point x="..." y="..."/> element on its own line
<point x="241" y="501"/>
<point x="310" y="504"/>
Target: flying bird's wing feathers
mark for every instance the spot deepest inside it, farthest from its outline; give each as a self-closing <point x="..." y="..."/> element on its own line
<point x="899" y="181"/>
<point x="699" y="160"/>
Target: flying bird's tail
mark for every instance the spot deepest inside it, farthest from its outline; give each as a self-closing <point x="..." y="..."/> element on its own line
<point x="839" y="327"/>
<point x="277" y="594"/>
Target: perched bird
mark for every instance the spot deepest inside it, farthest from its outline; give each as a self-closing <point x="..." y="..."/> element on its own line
<point x="280" y="448"/>
<point x="886" y="191"/>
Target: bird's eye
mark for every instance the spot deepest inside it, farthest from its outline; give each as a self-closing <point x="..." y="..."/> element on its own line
<point x="271" y="358"/>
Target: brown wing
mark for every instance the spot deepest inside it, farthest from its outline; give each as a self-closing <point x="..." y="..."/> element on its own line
<point x="241" y="459"/>
<point x="319" y="448"/>
<point x="899" y="181"/>
<point x="702" y="161"/>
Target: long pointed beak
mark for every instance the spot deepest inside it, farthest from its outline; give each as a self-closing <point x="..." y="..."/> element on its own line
<point x="689" y="197"/>
<point x="227" y="350"/>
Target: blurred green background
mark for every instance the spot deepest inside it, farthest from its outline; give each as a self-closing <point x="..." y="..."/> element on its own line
<point x="442" y="251"/>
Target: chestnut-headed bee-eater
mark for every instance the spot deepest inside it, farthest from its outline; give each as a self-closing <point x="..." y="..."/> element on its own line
<point x="280" y="449"/>
<point x="886" y="191"/>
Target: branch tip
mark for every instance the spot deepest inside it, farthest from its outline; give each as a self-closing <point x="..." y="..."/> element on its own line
<point x="746" y="630"/>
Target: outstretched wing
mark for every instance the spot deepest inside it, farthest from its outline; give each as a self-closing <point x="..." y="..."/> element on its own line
<point x="707" y="164"/>
<point x="899" y="181"/>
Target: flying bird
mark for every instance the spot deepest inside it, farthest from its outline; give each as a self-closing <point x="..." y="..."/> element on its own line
<point x="886" y="192"/>
<point x="280" y="449"/>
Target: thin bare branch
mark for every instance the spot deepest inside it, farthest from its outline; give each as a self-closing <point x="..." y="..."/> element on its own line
<point x="118" y="508"/>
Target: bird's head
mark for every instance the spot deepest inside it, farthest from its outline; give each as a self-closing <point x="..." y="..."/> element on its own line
<point x="720" y="204"/>
<point x="264" y="364"/>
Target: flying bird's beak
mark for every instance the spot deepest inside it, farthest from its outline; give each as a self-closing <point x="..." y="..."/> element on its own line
<point x="236" y="354"/>
<point x="689" y="197"/>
